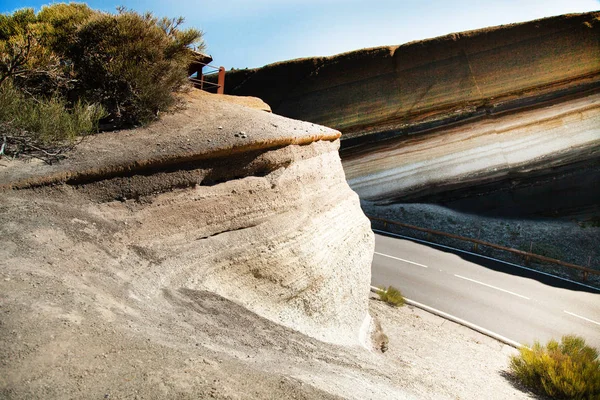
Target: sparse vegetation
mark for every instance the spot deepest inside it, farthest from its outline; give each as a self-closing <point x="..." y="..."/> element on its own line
<point x="593" y="222"/>
<point x="392" y="296"/>
<point x="44" y="127"/>
<point x="566" y="370"/>
<point x="72" y="69"/>
<point x="543" y="249"/>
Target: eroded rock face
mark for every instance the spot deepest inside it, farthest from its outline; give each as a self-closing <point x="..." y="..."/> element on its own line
<point x="498" y="120"/>
<point x="267" y="221"/>
<point x="536" y="148"/>
<point x="425" y="84"/>
<point x="292" y="246"/>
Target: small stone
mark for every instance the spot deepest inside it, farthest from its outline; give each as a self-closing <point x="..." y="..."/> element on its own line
<point x="220" y="127"/>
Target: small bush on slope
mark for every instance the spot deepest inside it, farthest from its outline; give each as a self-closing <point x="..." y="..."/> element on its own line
<point x="74" y="61"/>
<point x="44" y="127"/>
<point x="133" y="64"/>
<point x="566" y="370"/>
<point x="391" y="295"/>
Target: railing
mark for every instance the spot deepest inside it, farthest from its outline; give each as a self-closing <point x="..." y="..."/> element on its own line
<point x="220" y="85"/>
<point x="528" y="256"/>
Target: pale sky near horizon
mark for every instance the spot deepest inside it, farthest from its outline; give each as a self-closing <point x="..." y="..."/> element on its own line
<point x="253" y="33"/>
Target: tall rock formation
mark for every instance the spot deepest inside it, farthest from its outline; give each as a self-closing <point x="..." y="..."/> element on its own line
<point x="219" y="197"/>
<point x="511" y="108"/>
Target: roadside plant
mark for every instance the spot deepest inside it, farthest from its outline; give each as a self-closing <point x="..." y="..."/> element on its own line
<point x="392" y="296"/>
<point x="566" y="370"/>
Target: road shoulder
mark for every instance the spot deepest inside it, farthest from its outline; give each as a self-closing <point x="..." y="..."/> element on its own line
<point x="449" y="360"/>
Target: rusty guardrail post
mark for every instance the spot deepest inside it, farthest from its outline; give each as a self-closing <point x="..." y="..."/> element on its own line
<point x="221" y="81"/>
<point x="475" y="244"/>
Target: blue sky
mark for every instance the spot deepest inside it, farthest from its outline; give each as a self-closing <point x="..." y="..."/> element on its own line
<point x="252" y="33"/>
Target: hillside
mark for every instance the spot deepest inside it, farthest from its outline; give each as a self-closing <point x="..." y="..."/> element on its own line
<point x="442" y="103"/>
<point x="190" y="260"/>
<point x="488" y="128"/>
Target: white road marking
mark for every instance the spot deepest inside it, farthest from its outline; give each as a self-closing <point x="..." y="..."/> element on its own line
<point x="385" y="233"/>
<point x="493" y="287"/>
<point x="584" y="318"/>
<point x="402" y="259"/>
<point x="460" y="321"/>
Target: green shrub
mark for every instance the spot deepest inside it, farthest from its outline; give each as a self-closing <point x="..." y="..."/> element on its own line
<point x="132" y="63"/>
<point x="68" y="60"/>
<point x="566" y="370"/>
<point x="391" y="295"/>
<point x="42" y="127"/>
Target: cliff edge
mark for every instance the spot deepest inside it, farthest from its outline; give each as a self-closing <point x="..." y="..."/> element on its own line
<point x="424" y="84"/>
<point x="503" y="121"/>
<point x="217" y="202"/>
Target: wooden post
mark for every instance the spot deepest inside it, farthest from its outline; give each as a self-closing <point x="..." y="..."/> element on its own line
<point x="527" y="257"/>
<point x="221" y="81"/>
<point x="585" y="273"/>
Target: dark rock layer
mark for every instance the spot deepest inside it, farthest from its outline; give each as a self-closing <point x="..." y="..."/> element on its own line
<point x="386" y="99"/>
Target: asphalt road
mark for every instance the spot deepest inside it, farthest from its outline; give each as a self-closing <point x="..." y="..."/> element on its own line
<point x="518" y="304"/>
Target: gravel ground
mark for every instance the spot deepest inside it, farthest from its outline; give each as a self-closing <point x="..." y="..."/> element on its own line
<point x="446" y="360"/>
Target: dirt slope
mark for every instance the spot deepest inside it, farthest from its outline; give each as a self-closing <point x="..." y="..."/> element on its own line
<point x="145" y="268"/>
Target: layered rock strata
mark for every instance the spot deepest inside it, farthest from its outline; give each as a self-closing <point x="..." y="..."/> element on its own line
<point x="428" y="83"/>
<point x="218" y="197"/>
<point x="507" y="115"/>
<point x="537" y="149"/>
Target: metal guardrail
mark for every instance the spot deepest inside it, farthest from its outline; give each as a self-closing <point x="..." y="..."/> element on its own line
<point x="476" y="242"/>
<point x="220" y="85"/>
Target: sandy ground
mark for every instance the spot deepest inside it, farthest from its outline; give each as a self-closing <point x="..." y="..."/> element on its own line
<point x="58" y="344"/>
<point x="444" y="359"/>
<point x="83" y="316"/>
